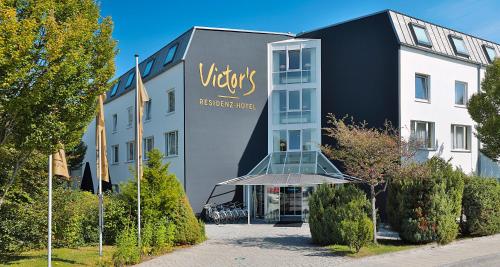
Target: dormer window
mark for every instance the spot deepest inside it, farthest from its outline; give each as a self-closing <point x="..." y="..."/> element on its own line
<point x="147" y="70"/>
<point x="459" y="46"/>
<point x="490" y="52"/>
<point x="130" y="78"/>
<point x="420" y="35"/>
<point x="170" y="55"/>
<point x="115" y="88"/>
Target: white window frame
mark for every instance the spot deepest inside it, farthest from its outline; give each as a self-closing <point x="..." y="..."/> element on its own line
<point x="288" y="59"/>
<point x="428" y="128"/>
<point x="148" y="111"/>
<point x="467" y="137"/>
<point x="115" y="152"/>
<point x="167" y="139"/>
<point x="114" y="120"/>
<point x="130" y="116"/>
<point x="466" y="98"/>
<point x="144" y="146"/>
<point x="130" y="143"/>
<point x="428" y="86"/>
<point x="168" y="101"/>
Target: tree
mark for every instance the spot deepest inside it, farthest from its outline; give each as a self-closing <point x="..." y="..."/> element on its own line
<point x="56" y="57"/>
<point x="370" y="154"/>
<point x="484" y="108"/>
<point x="75" y="156"/>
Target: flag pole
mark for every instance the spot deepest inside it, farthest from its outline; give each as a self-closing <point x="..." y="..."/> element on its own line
<point x="100" y="193"/>
<point x="137" y="150"/>
<point x="49" y="245"/>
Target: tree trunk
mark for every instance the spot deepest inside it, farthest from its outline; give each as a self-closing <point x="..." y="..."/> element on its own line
<point x="374" y="213"/>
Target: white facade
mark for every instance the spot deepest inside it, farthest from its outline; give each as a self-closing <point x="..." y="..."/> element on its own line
<point x="160" y="123"/>
<point x="440" y="109"/>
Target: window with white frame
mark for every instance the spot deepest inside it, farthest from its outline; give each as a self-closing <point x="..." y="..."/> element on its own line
<point x="171" y="101"/>
<point x="115" y="149"/>
<point x="423" y="134"/>
<point x="148" y="144"/>
<point x="459" y="45"/>
<point x="130" y="151"/>
<point x="420" y="35"/>
<point x="171" y="143"/>
<point x="130" y="116"/>
<point x="461" y="137"/>
<point x="294" y="65"/>
<point x="290" y="140"/>
<point x="147" y="114"/>
<point x="460" y="93"/>
<point x="293" y="106"/>
<point x="422" y="87"/>
<point x="115" y="123"/>
<point x="293" y="140"/>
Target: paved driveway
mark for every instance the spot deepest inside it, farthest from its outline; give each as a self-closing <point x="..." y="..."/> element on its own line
<point x="265" y="245"/>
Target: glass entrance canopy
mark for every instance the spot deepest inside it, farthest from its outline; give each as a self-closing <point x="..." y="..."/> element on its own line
<point x="292" y="168"/>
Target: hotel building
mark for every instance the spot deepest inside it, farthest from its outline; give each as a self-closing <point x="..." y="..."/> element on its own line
<point x="234" y="109"/>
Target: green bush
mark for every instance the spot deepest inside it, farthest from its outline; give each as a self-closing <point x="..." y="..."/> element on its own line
<point x="116" y="217"/>
<point x="127" y="251"/>
<point x="163" y="200"/>
<point x="481" y="206"/>
<point x="339" y="215"/>
<point x="426" y="208"/>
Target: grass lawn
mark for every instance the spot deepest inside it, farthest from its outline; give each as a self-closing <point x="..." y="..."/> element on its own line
<point x="384" y="246"/>
<point x="84" y="256"/>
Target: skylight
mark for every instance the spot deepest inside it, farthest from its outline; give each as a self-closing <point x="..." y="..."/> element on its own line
<point x="170" y="55"/>
<point x="420" y="35"/>
<point x="490" y="53"/>
<point x="459" y="46"/>
<point x="147" y="70"/>
<point x="130" y="79"/>
<point x="115" y="88"/>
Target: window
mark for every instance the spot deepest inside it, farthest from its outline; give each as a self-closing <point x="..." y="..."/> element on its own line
<point x="307" y="137"/>
<point x="115" y="123"/>
<point x="148" y="110"/>
<point x="293" y="106"/>
<point x="279" y="140"/>
<point x="148" y="144"/>
<point x="422" y="91"/>
<point x="147" y="70"/>
<point x="115" y="88"/>
<point x="461" y="137"/>
<point x="294" y="100"/>
<point x="130" y="78"/>
<point x="490" y="53"/>
<point x="423" y="133"/>
<point x="279" y="60"/>
<point x="130" y="112"/>
<point x="294" y="66"/>
<point x="170" y="55"/>
<point x="293" y="59"/>
<point x="130" y="151"/>
<point x="115" y="153"/>
<point x="420" y="35"/>
<point x="460" y="93"/>
<point x="459" y="46"/>
<point x="171" y="143"/>
<point x="293" y="139"/>
<point x="171" y="101"/>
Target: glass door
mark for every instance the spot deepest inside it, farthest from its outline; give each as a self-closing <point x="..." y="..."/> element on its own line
<point x="290" y="201"/>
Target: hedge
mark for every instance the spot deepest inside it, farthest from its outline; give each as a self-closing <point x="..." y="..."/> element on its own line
<point x="481" y="206"/>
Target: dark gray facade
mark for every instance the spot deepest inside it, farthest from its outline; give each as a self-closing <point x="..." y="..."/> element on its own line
<point x="225" y="132"/>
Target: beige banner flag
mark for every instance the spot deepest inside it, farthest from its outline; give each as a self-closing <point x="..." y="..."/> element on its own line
<point x="143" y="98"/>
<point x="59" y="165"/>
<point x="100" y="132"/>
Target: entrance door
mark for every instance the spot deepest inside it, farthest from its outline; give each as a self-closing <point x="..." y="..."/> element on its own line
<point x="291" y="203"/>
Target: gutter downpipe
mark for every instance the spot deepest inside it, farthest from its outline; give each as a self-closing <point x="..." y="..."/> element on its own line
<point x="478" y="164"/>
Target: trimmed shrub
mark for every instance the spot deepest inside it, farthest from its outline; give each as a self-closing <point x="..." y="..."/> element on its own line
<point x="127" y="251"/>
<point x="426" y="208"/>
<point x="481" y="206"/>
<point x="339" y="215"/>
<point x="116" y="217"/>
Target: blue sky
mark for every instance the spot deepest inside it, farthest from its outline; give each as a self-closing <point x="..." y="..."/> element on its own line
<point x="145" y="26"/>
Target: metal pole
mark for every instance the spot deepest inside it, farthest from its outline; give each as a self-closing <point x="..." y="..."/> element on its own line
<point x="137" y="150"/>
<point x="248" y="204"/>
<point x="100" y="194"/>
<point x="49" y="245"/>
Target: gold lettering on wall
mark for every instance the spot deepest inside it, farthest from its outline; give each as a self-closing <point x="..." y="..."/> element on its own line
<point x="228" y="80"/>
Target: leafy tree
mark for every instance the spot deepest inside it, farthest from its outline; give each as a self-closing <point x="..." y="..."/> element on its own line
<point x="370" y="154"/>
<point x="484" y="108"/>
<point x="76" y="155"/>
<point x="56" y="57"/>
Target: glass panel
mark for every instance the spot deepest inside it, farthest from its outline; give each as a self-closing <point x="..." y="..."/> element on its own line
<point x="294" y="100"/>
<point x="273" y="203"/>
<point x="290" y="201"/>
<point x="294" y="139"/>
<point x="170" y="55"/>
<point x="261" y="168"/>
<point x="292" y="162"/>
<point x="148" y="109"/>
<point x="293" y="77"/>
<point x="306" y="193"/>
<point x="147" y="70"/>
<point x="293" y="59"/>
<point x="421" y="35"/>
<point x="171" y="101"/>
<point x="491" y="53"/>
<point x="307" y="58"/>
<point x="459" y="137"/>
<point x="279" y="140"/>
<point x="460" y="93"/>
<point x="308" y="165"/>
<point x="115" y="88"/>
<point x="277" y="162"/>
<point x="279" y="78"/>
<point x="279" y="60"/>
<point x="459" y="46"/>
<point x="421" y="87"/>
<point x="326" y="165"/>
<point x="130" y="78"/>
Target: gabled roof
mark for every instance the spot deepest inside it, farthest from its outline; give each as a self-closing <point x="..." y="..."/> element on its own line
<point x="440" y="38"/>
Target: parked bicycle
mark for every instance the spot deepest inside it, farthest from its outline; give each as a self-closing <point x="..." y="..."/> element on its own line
<point x="232" y="212"/>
